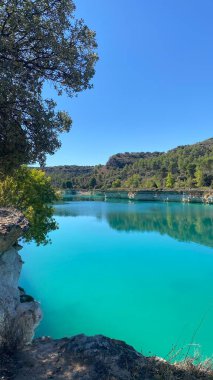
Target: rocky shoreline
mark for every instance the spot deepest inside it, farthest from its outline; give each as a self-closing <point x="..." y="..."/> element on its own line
<point x="184" y="196"/>
<point x="19" y="313"/>
<point x="93" y="358"/>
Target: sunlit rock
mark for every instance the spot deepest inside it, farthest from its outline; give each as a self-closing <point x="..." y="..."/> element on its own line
<point x="19" y="315"/>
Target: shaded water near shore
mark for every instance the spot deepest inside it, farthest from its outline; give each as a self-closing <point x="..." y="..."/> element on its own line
<point x="140" y="272"/>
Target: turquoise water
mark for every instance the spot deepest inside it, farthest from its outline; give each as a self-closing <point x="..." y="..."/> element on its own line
<point x="140" y="272"/>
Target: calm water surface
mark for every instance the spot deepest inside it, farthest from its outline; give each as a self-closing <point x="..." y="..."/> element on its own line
<point x="140" y="272"/>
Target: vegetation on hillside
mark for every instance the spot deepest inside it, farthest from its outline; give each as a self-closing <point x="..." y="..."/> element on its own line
<point x="189" y="166"/>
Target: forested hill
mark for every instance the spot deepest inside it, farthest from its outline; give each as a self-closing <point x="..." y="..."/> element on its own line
<point x="120" y="160"/>
<point x="188" y="166"/>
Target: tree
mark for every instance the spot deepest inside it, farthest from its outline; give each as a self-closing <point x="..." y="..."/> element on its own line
<point x="169" y="180"/>
<point x="149" y="184"/>
<point x="116" y="183"/>
<point x="40" y="40"/>
<point x="29" y="190"/>
<point x="92" y="182"/>
<point x="190" y="169"/>
<point x="69" y="184"/>
<point x="133" y="181"/>
<point x="199" y="177"/>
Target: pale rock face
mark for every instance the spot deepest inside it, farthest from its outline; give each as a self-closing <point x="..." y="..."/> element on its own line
<point x="12" y="226"/>
<point x="18" y="319"/>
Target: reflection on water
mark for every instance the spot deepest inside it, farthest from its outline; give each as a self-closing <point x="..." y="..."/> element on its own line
<point x="140" y="272"/>
<point x="184" y="222"/>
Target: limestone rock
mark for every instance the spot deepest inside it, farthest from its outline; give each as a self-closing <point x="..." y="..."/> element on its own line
<point x="95" y="358"/>
<point x="12" y="226"/>
<point x="18" y="319"/>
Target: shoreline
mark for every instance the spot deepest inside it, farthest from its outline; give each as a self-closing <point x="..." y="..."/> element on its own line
<point x="184" y="196"/>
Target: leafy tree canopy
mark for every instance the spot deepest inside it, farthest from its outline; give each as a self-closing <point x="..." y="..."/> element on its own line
<point x="40" y="40"/>
<point x="169" y="180"/>
<point x="29" y="190"/>
<point x="92" y="182"/>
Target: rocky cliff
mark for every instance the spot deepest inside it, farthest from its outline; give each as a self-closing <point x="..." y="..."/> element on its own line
<point x="19" y="313"/>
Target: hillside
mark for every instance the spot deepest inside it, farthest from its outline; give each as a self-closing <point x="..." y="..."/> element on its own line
<point x="120" y="160"/>
<point x="72" y="170"/>
<point x="188" y="166"/>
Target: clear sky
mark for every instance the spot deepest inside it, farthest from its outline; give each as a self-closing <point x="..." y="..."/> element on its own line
<point x="153" y="88"/>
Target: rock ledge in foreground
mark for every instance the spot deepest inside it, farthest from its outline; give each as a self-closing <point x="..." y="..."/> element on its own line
<point x="94" y="358"/>
<point x="12" y="226"/>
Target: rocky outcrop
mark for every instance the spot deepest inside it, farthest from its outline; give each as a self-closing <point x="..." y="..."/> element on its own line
<point x="94" y="358"/>
<point x="12" y="225"/>
<point x="19" y="314"/>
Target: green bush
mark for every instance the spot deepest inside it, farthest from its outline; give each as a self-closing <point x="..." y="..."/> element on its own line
<point x="30" y="191"/>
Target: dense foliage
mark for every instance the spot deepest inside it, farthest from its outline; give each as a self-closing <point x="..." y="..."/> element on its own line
<point x="189" y="166"/>
<point x="30" y="191"/>
<point x="40" y="41"/>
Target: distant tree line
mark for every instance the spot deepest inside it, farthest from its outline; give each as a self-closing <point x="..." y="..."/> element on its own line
<point x="189" y="166"/>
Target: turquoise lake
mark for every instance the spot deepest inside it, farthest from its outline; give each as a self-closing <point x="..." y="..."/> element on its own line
<point x="139" y="272"/>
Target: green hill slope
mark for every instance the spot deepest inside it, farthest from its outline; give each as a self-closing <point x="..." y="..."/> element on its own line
<point x="188" y="166"/>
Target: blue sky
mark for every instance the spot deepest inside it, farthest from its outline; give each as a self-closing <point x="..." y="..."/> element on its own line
<point x="153" y="88"/>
